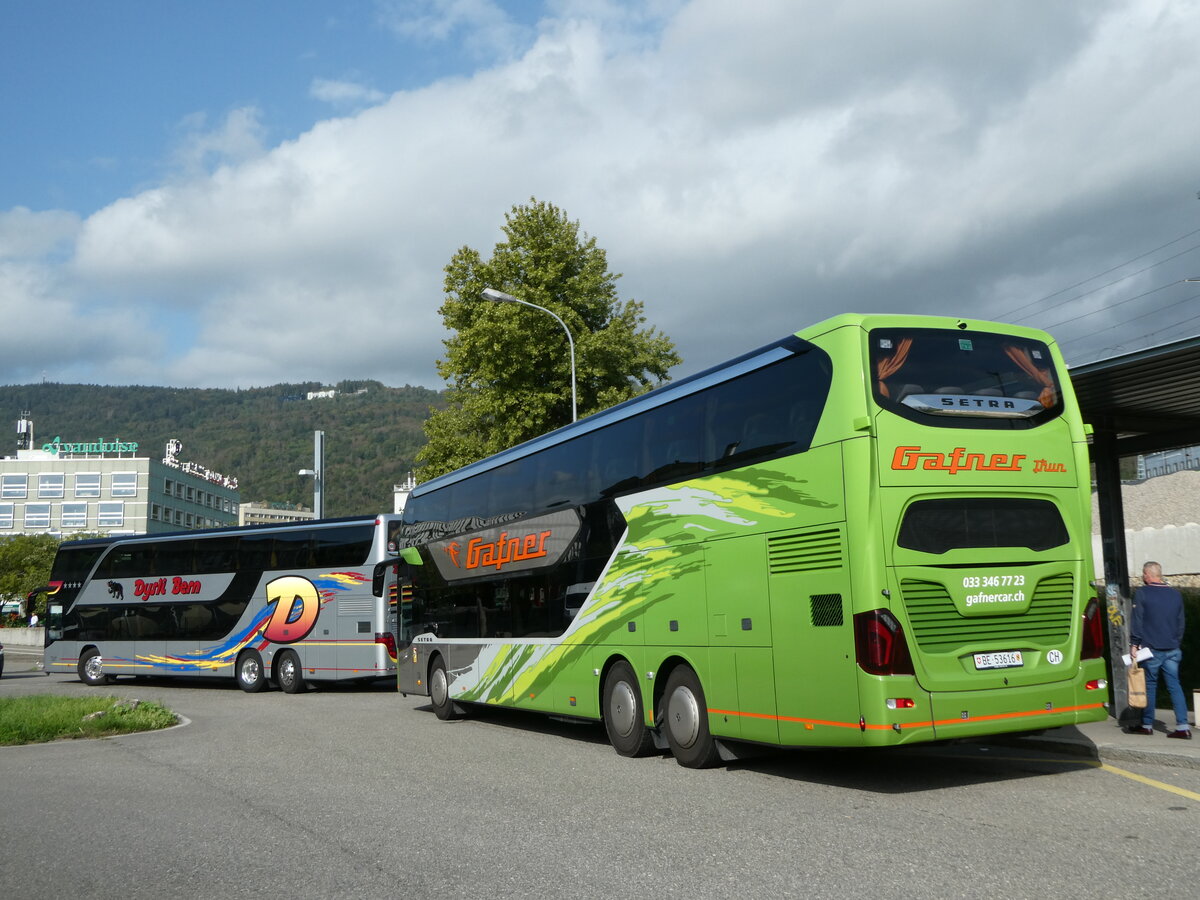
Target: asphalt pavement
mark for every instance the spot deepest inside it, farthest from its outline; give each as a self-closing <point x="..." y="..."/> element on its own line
<point x="1106" y="740"/>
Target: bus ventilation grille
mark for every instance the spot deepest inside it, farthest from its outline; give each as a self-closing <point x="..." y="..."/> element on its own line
<point x="357" y="606"/>
<point x="826" y="610"/>
<point x="938" y="628"/>
<point x="805" y="551"/>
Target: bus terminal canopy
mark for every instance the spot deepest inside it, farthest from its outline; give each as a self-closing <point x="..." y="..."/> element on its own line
<point x="1141" y="402"/>
<point x="1146" y="401"/>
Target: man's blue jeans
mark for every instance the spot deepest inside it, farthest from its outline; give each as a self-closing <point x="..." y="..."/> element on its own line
<point x="1166" y="661"/>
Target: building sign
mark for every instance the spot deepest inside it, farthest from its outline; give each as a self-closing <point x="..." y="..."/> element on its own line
<point x="171" y="459"/>
<point x="57" y="446"/>
<point x="515" y="547"/>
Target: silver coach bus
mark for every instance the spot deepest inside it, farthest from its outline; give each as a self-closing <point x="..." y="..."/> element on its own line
<point x="294" y="603"/>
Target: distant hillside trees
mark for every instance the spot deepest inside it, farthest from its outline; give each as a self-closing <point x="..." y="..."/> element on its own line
<point x="263" y="436"/>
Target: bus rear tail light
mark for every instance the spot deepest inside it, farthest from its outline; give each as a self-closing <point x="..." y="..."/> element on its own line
<point x="1093" y="631"/>
<point x="879" y="644"/>
<point x="388" y="640"/>
<point x="900" y="703"/>
<point x="1096" y="684"/>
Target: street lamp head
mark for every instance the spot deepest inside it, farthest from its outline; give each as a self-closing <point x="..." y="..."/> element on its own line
<point x="498" y="296"/>
<point x="306" y="472"/>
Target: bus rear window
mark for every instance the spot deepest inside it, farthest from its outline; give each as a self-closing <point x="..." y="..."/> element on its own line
<point x="935" y="526"/>
<point x="963" y="379"/>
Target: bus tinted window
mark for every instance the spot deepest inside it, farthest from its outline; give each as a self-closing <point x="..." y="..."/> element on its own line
<point x="342" y="546"/>
<point x="964" y="379"/>
<point x="73" y="563"/>
<point x="766" y="413"/>
<point x="935" y="526"/>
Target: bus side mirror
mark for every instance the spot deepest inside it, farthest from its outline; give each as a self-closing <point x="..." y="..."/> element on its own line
<point x="380" y="575"/>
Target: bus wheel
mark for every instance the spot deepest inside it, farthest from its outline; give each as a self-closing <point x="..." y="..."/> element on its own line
<point x="439" y="691"/>
<point x="249" y="672"/>
<point x="288" y="674"/>
<point x="687" y="721"/>
<point x="91" y="668"/>
<point x="623" y="718"/>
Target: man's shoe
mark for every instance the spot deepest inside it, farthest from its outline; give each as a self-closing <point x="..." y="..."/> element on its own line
<point x="1181" y="733"/>
<point x="1139" y="729"/>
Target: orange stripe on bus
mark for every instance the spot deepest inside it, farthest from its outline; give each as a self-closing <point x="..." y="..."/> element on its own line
<point x="891" y="726"/>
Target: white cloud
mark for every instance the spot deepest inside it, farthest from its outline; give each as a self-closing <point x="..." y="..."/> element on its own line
<point x="237" y="139"/>
<point x="345" y="94"/>
<point x="25" y="234"/>
<point x="785" y="160"/>
<point x="482" y="26"/>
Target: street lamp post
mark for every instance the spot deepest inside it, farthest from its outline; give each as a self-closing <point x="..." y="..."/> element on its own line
<point x="318" y="474"/>
<point x="500" y="297"/>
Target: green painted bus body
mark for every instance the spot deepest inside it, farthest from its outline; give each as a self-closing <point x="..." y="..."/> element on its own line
<point x="753" y="577"/>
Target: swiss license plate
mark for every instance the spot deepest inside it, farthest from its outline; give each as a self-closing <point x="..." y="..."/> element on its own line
<point x="1008" y="659"/>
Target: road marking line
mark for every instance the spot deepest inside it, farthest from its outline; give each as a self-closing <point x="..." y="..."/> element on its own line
<point x="1182" y="792"/>
<point x="1095" y="764"/>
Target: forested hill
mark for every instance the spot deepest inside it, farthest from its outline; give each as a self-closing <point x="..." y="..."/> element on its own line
<point x="262" y="436"/>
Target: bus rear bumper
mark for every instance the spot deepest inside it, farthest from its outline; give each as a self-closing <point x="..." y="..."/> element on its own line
<point x="978" y="714"/>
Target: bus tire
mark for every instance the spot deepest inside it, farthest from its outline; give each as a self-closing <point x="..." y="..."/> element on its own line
<point x="248" y="672"/>
<point x="439" y="691"/>
<point x="624" y="719"/>
<point x="686" y="720"/>
<point x="91" y="668"/>
<point x="288" y="673"/>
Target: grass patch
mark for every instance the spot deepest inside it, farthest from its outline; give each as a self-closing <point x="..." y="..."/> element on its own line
<point x="35" y="720"/>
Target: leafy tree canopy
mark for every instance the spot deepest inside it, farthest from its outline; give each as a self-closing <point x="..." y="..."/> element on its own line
<point x="507" y="367"/>
<point x="25" y="561"/>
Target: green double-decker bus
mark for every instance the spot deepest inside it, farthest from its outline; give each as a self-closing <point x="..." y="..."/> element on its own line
<point x="873" y="532"/>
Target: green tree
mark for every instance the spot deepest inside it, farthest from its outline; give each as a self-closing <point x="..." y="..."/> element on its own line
<point x="507" y="367"/>
<point x="25" y="561"/>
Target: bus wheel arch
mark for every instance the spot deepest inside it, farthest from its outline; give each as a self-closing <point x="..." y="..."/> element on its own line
<point x="622" y="708"/>
<point x="684" y="715"/>
<point x="288" y="673"/>
<point x="438" y="682"/>
<point x="91" y="667"/>
<point x="248" y="672"/>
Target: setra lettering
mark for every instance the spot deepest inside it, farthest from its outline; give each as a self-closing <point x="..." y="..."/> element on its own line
<point x="906" y="459"/>
<point x="977" y="403"/>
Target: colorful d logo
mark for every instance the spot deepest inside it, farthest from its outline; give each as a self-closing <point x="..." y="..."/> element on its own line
<point x="297" y="603"/>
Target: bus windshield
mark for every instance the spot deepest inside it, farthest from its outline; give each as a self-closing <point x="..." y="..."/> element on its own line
<point x="963" y="378"/>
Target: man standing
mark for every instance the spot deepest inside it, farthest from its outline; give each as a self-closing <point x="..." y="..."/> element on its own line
<point x="1158" y="624"/>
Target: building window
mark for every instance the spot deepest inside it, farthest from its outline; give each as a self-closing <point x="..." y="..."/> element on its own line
<point x="155" y="511"/>
<point x="187" y="520"/>
<point x="74" y="515"/>
<point x="87" y="484"/>
<point x="168" y="486"/>
<point x="37" y="515"/>
<point x="13" y="485"/>
<point x="178" y="517"/>
<point x="6" y="515"/>
<point x="191" y="493"/>
<point x="112" y="514"/>
<point x="124" y="484"/>
<point x="50" y="484"/>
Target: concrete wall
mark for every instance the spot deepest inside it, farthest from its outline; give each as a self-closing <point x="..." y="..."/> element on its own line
<point x="1177" y="547"/>
<point x="23" y="637"/>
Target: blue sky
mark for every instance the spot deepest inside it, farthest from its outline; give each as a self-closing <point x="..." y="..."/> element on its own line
<point x="245" y="193"/>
